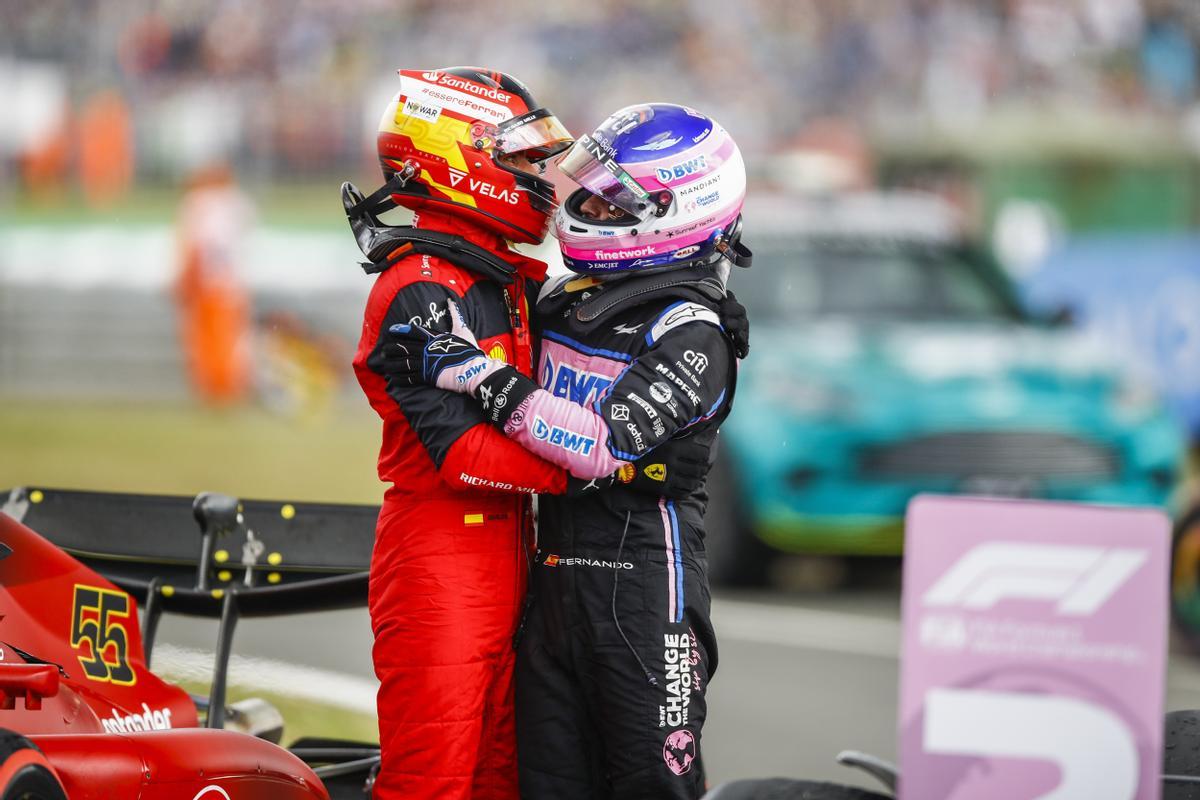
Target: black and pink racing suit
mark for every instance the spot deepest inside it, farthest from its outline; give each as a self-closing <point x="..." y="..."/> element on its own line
<point x="618" y="647"/>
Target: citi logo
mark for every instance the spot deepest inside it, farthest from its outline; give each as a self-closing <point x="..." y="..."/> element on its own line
<point x="1078" y="580"/>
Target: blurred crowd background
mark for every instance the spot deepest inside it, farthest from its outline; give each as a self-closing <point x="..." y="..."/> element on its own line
<point x="293" y="89"/>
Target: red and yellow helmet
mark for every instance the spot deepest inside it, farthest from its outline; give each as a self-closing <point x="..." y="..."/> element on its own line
<point x="467" y="137"/>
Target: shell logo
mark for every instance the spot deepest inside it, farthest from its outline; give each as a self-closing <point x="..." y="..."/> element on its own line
<point x="626" y="473"/>
<point x="497" y="352"/>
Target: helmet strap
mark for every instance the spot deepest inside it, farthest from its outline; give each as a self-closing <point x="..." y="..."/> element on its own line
<point x="731" y="247"/>
<point x="381" y="199"/>
<point x="385" y="245"/>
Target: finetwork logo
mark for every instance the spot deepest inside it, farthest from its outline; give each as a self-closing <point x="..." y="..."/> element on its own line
<point x="633" y="252"/>
<point x="1079" y="580"/>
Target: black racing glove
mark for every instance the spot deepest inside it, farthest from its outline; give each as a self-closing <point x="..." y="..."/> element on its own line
<point x="414" y="355"/>
<point x="736" y="324"/>
<point x="675" y="469"/>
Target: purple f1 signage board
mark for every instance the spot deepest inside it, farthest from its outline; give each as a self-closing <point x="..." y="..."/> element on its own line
<point x="1034" y="651"/>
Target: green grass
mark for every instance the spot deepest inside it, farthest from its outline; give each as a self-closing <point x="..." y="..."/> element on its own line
<point x="315" y="203"/>
<point x="184" y="450"/>
<point x="302" y="717"/>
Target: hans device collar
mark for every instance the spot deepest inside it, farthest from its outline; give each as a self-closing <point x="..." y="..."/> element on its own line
<point x="384" y="245"/>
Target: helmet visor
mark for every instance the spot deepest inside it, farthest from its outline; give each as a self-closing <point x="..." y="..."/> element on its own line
<point x="537" y="135"/>
<point x="592" y="166"/>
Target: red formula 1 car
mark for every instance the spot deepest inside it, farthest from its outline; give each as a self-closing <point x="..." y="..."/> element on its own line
<point x="81" y="714"/>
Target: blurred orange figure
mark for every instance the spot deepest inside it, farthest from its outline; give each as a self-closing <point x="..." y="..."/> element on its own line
<point x="214" y="220"/>
<point x="105" y="148"/>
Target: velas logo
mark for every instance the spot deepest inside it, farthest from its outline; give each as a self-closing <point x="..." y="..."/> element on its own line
<point x="481" y="187"/>
<point x="617" y="255"/>
<point x="1079" y="580"/>
<point x="683" y="169"/>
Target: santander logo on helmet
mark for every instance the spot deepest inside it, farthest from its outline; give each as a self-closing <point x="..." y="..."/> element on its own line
<point x="444" y="79"/>
<point x="673" y="180"/>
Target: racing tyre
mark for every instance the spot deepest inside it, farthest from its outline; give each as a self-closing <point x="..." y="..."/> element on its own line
<point x="24" y="771"/>
<point x="1181" y="754"/>
<point x="736" y="557"/>
<point x="785" y="789"/>
<point x="1185" y="577"/>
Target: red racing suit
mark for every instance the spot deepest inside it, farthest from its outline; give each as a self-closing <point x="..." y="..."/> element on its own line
<point x="449" y="567"/>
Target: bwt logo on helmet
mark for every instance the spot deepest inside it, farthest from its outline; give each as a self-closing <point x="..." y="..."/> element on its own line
<point x="617" y="255"/>
<point x="681" y="170"/>
<point x="442" y="79"/>
<point x="561" y="437"/>
<point x="1079" y="580"/>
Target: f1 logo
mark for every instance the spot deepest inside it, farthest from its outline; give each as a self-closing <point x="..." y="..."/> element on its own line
<point x="1078" y="579"/>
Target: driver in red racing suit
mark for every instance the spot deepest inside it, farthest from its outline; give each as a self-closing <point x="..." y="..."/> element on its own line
<point x="449" y="569"/>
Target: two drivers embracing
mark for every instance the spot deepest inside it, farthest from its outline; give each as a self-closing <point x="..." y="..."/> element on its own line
<point x="464" y="149"/>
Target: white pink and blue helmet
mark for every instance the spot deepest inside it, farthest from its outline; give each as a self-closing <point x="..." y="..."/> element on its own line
<point x="677" y="175"/>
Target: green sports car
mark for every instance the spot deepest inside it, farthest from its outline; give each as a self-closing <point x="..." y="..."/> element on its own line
<point x="890" y="357"/>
